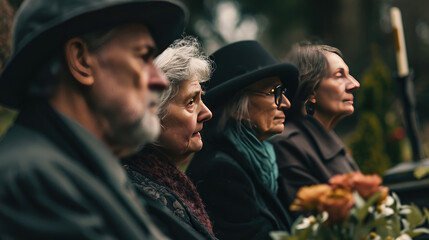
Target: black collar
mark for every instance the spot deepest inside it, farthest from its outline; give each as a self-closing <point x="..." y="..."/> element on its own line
<point x="326" y="141"/>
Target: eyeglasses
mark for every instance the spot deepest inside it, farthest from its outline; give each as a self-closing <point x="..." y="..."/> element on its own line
<point x="277" y="91"/>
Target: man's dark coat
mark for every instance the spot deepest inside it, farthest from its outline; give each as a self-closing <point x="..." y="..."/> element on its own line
<point x="57" y="181"/>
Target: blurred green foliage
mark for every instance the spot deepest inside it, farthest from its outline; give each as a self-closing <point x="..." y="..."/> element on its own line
<point x="368" y="146"/>
<point x="375" y="143"/>
<point x="6" y="118"/>
<point x="7" y="11"/>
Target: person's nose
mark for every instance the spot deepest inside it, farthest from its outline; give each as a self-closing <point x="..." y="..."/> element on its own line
<point x="205" y="113"/>
<point x="157" y="79"/>
<point x="352" y="84"/>
<point x="285" y="104"/>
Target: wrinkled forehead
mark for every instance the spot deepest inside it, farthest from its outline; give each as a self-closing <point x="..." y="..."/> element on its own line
<point x="335" y="62"/>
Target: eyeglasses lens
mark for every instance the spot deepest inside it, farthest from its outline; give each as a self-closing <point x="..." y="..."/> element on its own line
<point x="278" y="94"/>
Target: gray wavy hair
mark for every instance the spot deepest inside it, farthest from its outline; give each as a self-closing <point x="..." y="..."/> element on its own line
<point x="181" y="61"/>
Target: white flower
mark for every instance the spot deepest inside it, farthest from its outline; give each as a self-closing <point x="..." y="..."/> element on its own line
<point x="306" y="222"/>
<point x="404" y="237"/>
<point x="325" y="216"/>
<point x="389" y="201"/>
<point x="376" y="237"/>
<point x="385" y="210"/>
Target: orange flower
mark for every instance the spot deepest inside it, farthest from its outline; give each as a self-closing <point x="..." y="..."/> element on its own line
<point x="308" y="198"/>
<point x="366" y="185"/>
<point x="384" y="192"/>
<point x="343" y="180"/>
<point x="337" y="204"/>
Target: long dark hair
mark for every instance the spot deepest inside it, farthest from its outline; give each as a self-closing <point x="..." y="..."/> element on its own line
<point x="312" y="64"/>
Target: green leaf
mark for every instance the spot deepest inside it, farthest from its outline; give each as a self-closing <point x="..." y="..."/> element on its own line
<point x="302" y="233"/>
<point x="362" y="211"/>
<point x="280" y="235"/>
<point x="397" y="200"/>
<point x="417" y="232"/>
<point x="426" y="211"/>
<point x="421" y="172"/>
<point x="415" y="218"/>
<point x="359" y="201"/>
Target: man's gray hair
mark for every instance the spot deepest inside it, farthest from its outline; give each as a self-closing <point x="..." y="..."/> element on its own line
<point x="182" y="61"/>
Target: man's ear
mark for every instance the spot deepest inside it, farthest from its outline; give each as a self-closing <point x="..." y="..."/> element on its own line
<point x="79" y="61"/>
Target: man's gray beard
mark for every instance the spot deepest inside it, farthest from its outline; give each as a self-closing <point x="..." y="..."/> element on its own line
<point x="134" y="136"/>
<point x="151" y="128"/>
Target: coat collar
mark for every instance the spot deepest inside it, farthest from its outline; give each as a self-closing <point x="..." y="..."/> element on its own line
<point x="327" y="142"/>
<point x="274" y="207"/>
<point x="74" y="140"/>
<point x="84" y="149"/>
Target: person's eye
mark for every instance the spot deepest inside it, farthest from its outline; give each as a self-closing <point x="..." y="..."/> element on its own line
<point x="191" y="102"/>
<point x="339" y="75"/>
<point x="273" y="90"/>
<point x="148" y="55"/>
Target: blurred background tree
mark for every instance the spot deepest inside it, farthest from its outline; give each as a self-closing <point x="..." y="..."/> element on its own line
<point x="6" y="20"/>
<point x="360" y="28"/>
<point x="373" y="143"/>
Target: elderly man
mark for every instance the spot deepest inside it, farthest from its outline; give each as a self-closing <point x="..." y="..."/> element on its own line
<point x="83" y="78"/>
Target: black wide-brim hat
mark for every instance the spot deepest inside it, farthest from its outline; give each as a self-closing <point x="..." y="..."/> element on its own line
<point x="240" y="64"/>
<point x="42" y="27"/>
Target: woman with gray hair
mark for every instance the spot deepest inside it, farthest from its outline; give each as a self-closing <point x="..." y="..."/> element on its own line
<point x="154" y="170"/>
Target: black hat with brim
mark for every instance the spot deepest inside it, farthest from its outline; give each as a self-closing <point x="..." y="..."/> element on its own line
<point x="42" y="27"/>
<point x="240" y="64"/>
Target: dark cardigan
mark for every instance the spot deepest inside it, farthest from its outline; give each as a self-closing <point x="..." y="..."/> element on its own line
<point x="153" y="175"/>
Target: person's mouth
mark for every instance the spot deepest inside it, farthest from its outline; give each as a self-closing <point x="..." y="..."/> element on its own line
<point x="349" y="99"/>
<point x="197" y="133"/>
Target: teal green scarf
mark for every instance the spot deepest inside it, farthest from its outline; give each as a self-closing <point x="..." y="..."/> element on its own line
<point x="260" y="155"/>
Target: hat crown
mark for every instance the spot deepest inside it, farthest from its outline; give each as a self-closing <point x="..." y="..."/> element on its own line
<point x="241" y="64"/>
<point x="36" y="15"/>
<point x="237" y="59"/>
<point x="41" y="27"/>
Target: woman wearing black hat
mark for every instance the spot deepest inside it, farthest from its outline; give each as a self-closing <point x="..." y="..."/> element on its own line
<point x="308" y="151"/>
<point x="236" y="172"/>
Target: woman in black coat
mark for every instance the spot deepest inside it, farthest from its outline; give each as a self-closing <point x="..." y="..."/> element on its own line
<point x="308" y="151"/>
<point x="236" y="172"/>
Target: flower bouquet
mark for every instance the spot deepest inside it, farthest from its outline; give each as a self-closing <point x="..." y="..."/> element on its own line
<point x="353" y="206"/>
